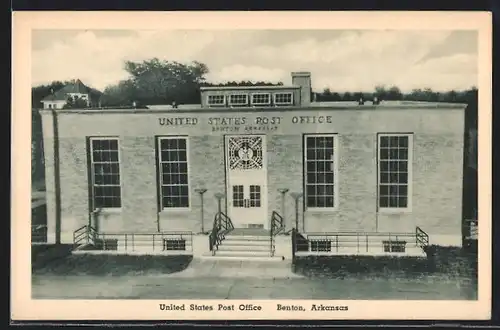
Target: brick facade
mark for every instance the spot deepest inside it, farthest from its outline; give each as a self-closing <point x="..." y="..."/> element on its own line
<point x="436" y="185"/>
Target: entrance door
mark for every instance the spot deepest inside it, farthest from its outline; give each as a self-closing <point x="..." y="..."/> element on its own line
<point x="246" y="171"/>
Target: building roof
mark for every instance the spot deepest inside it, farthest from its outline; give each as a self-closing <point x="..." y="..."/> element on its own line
<point x="76" y="87"/>
<point x="314" y="106"/>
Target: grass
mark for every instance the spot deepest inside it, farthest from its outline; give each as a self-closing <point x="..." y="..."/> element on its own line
<point x="442" y="262"/>
<point x="53" y="261"/>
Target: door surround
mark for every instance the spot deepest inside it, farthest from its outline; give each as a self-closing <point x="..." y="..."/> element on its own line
<point x="246" y="180"/>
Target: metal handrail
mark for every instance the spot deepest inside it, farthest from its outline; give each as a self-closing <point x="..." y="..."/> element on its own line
<point x="130" y="240"/>
<point x="222" y="225"/>
<point x="276" y="223"/>
<point x="359" y="240"/>
<point x="276" y="227"/>
<point x="422" y="239"/>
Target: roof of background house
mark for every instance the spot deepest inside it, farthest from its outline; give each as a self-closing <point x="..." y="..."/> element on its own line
<point x="76" y="87"/>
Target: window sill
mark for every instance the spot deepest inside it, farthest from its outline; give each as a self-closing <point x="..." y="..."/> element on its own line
<point x="394" y="210"/>
<point x="175" y="210"/>
<point x="108" y="211"/>
<point x="321" y="210"/>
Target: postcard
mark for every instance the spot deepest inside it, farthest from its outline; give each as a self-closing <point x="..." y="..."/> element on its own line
<point x="251" y="165"/>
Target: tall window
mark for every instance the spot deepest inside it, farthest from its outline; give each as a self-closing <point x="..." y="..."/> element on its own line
<point x="174" y="185"/>
<point x="105" y="173"/>
<point x="321" y="171"/>
<point x="394" y="170"/>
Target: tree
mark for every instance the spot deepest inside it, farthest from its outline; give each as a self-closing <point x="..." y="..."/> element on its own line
<point x="75" y="103"/>
<point x="160" y="82"/>
<point x="394" y="93"/>
<point x="121" y="94"/>
<point x="381" y="92"/>
<point x="347" y="97"/>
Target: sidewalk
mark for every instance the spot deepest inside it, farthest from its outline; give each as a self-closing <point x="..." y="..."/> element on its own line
<point x="237" y="269"/>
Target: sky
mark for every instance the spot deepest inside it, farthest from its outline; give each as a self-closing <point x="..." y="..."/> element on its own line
<point x="342" y="60"/>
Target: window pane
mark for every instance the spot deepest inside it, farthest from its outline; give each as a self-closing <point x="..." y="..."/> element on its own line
<point x="384" y="166"/>
<point x="310" y="142"/>
<point x="182" y="156"/>
<point x="320" y="201"/>
<point x="384" y="142"/>
<point x="384" y="201"/>
<point x="393" y="142"/>
<point x="403" y="166"/>
<point x="184" y="201"/>
<point x="183" y="179"/>
<point x="403" y="154"/>
<point x="384" y="177"/>
<point x="403" y="191"/>
<point x="329" y="202"/>
<point x="403" y="202"/>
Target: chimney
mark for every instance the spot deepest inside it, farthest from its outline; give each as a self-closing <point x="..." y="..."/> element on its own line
<point x="303" y="79"/>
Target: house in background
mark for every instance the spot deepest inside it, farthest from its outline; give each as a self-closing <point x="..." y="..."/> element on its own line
<point x="76" y="89"/>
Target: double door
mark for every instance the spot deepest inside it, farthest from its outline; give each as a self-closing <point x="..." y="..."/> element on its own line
<point x="247" y="180"/>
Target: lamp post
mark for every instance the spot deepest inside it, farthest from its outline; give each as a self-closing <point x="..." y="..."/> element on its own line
<point x="283" y="192"/>
<point x="201" y="191"/>
<point x="296" y="196"/>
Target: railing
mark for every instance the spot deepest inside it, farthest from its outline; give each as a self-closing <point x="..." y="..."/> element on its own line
<point x="276" y="227"/>
<point x="173" y="242"/>
<point x="358" y="242"/>
<point x="276" y="223"/>
<point x="85" y="235"/>
<point x="421" y="237"/>
<point x="38" y="234"/>
<point x="222" y="225"/>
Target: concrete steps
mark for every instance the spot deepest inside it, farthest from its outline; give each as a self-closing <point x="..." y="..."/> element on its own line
<point x="242" y="253"/>
<point x="247" y="238"/>
<point x="245" y="246"/>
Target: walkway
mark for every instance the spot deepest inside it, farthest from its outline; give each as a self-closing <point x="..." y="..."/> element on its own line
<point x="217" y="268"/>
